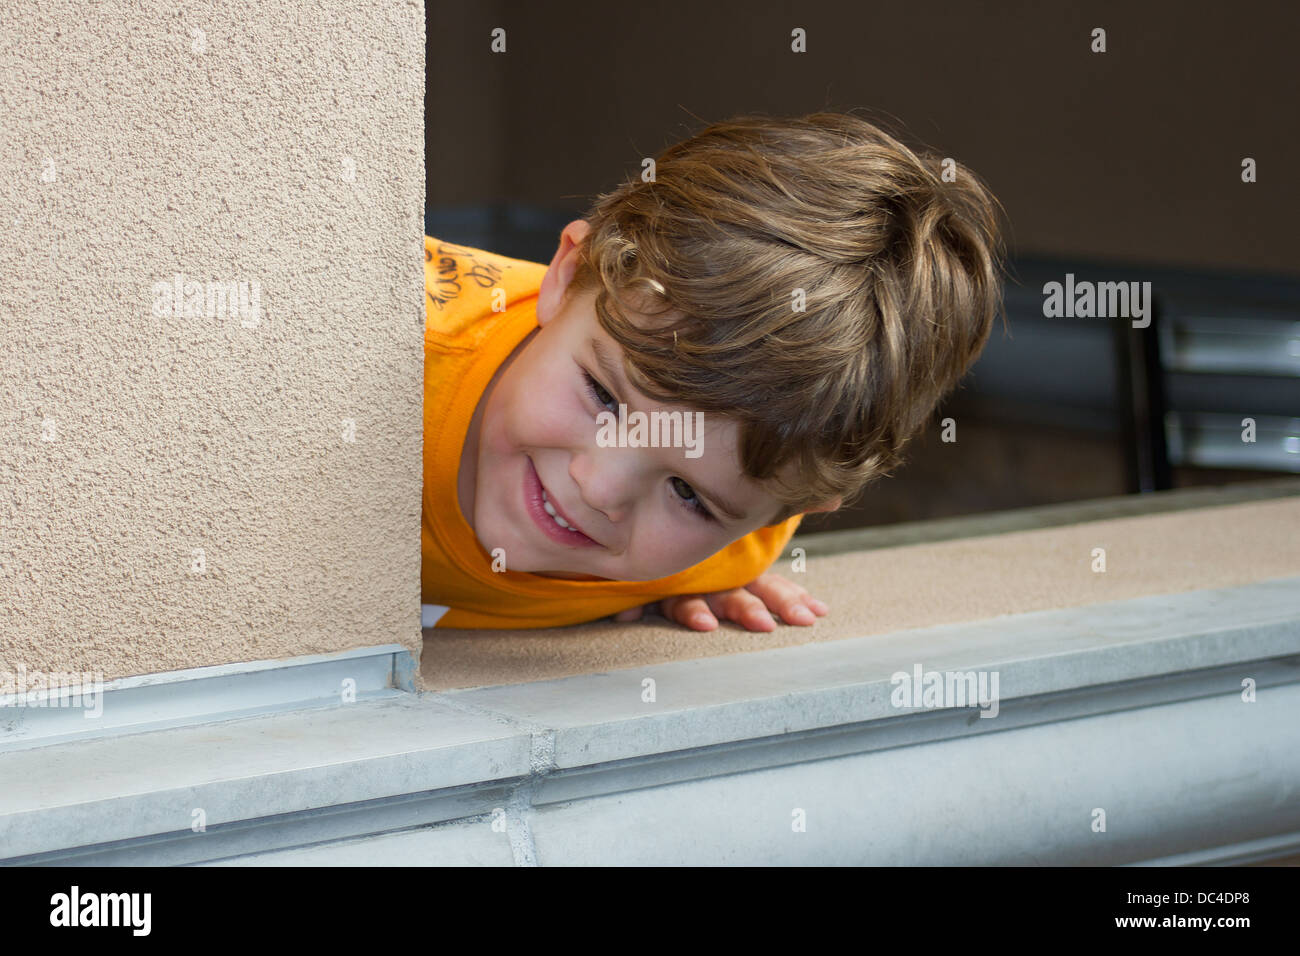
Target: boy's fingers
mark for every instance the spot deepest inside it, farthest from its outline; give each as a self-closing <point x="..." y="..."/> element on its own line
<point x="690" y="610"/>
<point x="750" y="607"/>
<point x="631" y="614"/>
<point x="744" y="608"/>
<point x="788" y="599"/>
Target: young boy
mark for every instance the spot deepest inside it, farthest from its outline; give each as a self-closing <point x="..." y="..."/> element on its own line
<point x="794" y="296"/>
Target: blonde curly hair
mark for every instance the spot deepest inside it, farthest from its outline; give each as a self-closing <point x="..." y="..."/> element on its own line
<point x="900" y="273"/>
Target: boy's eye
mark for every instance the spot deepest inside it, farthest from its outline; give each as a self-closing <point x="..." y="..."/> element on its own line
<point x="597" y="391"/>
<point x="692" y="501"/>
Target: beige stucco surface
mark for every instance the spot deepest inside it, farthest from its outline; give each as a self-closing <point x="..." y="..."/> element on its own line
<point x="279" y="144"/>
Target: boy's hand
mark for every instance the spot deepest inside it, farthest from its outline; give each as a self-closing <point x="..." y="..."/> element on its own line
<point x="748" y="606"/>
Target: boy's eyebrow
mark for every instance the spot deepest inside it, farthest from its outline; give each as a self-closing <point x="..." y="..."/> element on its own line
<point x="729" y="510"/>
<point x="613" y="374"/>
<point x="608" y="366"/>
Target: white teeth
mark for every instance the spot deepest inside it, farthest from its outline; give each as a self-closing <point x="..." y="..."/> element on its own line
<point x="550" y="510"/>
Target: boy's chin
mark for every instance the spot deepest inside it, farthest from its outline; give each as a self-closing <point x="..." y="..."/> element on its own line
<point x="570" y="576"/>
<point x="577" y="576"/>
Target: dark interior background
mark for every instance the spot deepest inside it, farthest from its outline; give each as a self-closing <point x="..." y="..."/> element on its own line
<point x="1123" y="165"/>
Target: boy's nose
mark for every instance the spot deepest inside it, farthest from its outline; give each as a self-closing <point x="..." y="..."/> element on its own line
<point x="605" y="481"/>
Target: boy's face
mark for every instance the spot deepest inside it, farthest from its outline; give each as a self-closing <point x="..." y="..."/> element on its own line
<point x="638" y="513"/>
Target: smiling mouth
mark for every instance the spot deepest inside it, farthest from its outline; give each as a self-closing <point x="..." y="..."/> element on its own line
<point x="554" y="513"/>
<point x="548" y="517"/>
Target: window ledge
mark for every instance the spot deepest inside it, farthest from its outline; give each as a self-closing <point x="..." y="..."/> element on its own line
<point x="1133" y="707"/>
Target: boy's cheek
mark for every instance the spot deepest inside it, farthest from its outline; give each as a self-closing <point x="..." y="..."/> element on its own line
<point x="543" y="421"/>
<point x="660" y="556"/>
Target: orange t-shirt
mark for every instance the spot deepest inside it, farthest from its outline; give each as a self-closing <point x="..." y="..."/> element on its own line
<point x="465" y="342"/>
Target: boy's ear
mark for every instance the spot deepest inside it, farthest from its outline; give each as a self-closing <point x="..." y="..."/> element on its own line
<point x="550" y="298"/>
<point x="832" y="505"/>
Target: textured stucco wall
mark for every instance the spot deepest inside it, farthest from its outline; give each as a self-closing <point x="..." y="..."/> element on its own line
<point x="277" y="144"/>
